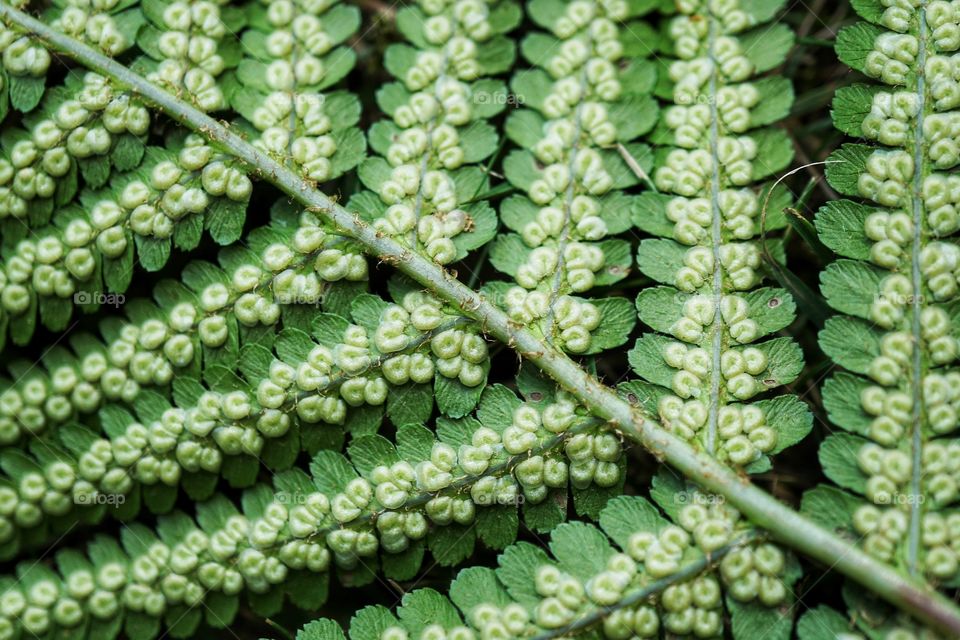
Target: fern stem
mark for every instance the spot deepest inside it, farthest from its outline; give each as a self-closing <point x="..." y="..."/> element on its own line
<point x="919" y="174"/>
<point x="717" y="240"/>
<point x="457" y="487"/>
<point x="564" y="239"/>
<point x="784" y="524"/>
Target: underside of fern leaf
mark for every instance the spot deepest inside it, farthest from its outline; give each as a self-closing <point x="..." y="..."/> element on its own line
<point x="315" y="394"/>
<point x="896" y="286"/>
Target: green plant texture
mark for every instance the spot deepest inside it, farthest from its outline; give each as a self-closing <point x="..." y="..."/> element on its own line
<point x="479" y="319"/>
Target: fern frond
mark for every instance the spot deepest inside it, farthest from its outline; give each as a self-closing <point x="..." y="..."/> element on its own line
<point x="613" y="582"/>
<point x="398" y="499"/>
<point x="189" y="44"/>
<point x="761" y="507"/>
<point x="292" y="52"/>
<point x="291" y="262"/>
<point x="25" y="64"/>
<point x="86" y="258"/>
<point x="422" y="188"/>
<point x="866" y="619"/>
<point x="294" y="391"/>
<point x="706" y="369"/>
<point x="897" y="286"/>
<point x="707" y="364"/>
<point x="92" y="126"/>
<point x="84" y="128"/>
<point x="586" y="101"/>
<point x="109" y="26"/>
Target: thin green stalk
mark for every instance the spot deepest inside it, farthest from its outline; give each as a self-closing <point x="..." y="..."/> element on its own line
<point x="919" y="174"/>
<point x="716" y="226"/>
<point x="783" y="523"/>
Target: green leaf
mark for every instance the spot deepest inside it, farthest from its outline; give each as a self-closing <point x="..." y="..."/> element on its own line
<point x="404" y="565"/>
<point x="321" y="629"/>
<point x="854" y="44"/>
<point x="497" y="404"/>
<point x="851" y="287"/>
<point x="851" y="343"/>
<point x="823" y="623"/>
<point x="367" y="309"/>
<point x="181" y="621"/>
<point x="845" y="166"/>
<point x="224" y="220"/>
<point x="840" y="224"/>
<point x="497" y="525"/>
<point x="755" y="620"/>
<point x="830" y="507"/>
<point x="140" y="625"/>
<point x="626" y="515"/>
<point x="617" y="320"/>
<point x="454" y="399"/>
<point x="774" y="152"/>
<point x="220" y="609"/>
<point x="838" y="456"/>
<point x="309" y="591"/>
<point x="351" y="150"/>
<point x="370" y="622"/>
<point x="851" y="105"/>
<point x="581" y="549"/>
<point x="414" y="442"/>
<point x="188" y="232"/>
<point x="266" y="604"/>
<point x="425" y="607"/>
<point x="25" y="92"/>
<point x="127" y="152"/>
<point x="517" y="569"/>
<point x="789" y="416"/>
<point x="55" y="313"/>
<point x="369" y="452"/>
<point x="475" y="586"/>
<point x="776" y="99"/>
<point x="768" y="46"/>
<point x="240" y="471"/>
<point x="545" y="516"/>
<point x="837" y="393"/>
<point x="410" y="403"/>
<point x="95" y="170"/>
<point x="661" y="259"/>
<point x="331" y="472"/>
<point x="646" y="359"/>
<point x="153" y="253"/>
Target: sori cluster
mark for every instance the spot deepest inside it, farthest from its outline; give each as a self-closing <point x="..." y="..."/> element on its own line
<point x="585" y="102"/>
<point x="896" y="286"/>
<point x="608" y="581"/>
